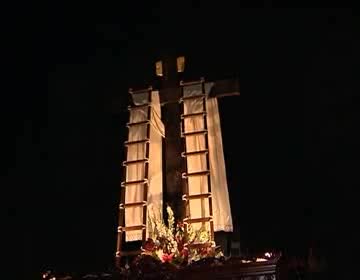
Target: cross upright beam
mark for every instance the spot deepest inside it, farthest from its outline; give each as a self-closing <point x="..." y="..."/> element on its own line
<point x="170" y="93"/>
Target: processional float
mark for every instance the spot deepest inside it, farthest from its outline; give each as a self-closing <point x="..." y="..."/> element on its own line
<point x="174" y="155"/>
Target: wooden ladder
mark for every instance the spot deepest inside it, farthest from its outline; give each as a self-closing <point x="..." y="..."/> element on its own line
<point x="122" y="228"/>
<point x="202" y="97"/>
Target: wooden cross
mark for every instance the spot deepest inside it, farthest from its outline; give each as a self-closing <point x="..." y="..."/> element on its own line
<point x="170" y="91"/>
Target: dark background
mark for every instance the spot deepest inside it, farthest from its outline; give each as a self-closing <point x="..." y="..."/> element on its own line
<point x="290" y="139"/>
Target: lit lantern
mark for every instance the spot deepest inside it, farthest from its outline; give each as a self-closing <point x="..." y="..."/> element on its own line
<point x="180" y="63"/>
<point x="159" y="68"/>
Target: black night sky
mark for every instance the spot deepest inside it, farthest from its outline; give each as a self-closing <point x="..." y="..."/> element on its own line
<point x="290" y="138"/>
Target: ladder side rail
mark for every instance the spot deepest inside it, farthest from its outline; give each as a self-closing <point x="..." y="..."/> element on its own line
<point x="147" y="153"/>
<point x="208" y="164"/>
<point x="184" y="165"/>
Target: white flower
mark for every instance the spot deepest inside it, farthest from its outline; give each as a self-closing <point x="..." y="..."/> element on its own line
<point x="159" y="254"/>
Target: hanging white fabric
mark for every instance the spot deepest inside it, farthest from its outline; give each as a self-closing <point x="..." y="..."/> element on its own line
<point x="136" y="171"/>
<point x="219" y="188"/>
<point x="157" y="132"/>
<point x="199" y="208"/>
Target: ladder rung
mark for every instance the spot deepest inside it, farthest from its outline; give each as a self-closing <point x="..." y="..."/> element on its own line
<point x="192" y="97"/>
<point x="144" y="90"/>
<point x="185" y="154"/>
<point x="203" y="113"/>
<point x="196" y="196"/>
<point x="128" y="253"/>
<point x="182" y="83"/>
<point x="128" y="162"/>
<point x="197" y="220"/>
<point x="139" y="106"/>
<point x="137" y="123"/>
<point x="133" y="204"/>
<point x="127" y="143"/>
<point x="198" y="173"/>
<point x="131" y="228"/>
<point x="190" y="133"/>
<point x="144" y="181"/>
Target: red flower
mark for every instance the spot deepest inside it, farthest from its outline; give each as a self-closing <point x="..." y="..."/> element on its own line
<point x="149" y="245"/>
<point x="210" y="250"/>
<point x="206" y="251"/>
<point x="203" y="252"/>
<point x="180" y="225"/>
<point x="167" y="257"/>
<point x="184" y="252"/>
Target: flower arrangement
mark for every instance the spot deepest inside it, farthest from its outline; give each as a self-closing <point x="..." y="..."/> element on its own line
<point x="170" y="244"/>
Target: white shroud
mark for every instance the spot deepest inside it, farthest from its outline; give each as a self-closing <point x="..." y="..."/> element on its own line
<point x="134" y="193"/>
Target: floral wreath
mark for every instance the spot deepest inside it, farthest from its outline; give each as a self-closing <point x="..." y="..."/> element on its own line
<point x="170" y="244"/>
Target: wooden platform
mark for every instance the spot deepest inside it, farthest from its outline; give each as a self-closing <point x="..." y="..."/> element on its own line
<point x="207" y="269"/>
<point x="233" y="269"/>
